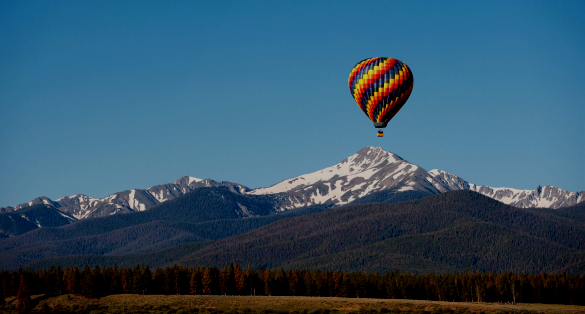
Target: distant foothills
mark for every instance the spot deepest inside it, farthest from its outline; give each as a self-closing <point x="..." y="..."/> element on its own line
<point x="372" y="212"/>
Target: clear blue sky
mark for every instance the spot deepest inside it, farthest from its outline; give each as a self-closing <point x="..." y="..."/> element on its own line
<point x="98" y="97"/>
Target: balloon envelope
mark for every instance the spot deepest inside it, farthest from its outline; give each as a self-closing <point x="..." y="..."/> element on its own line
<point x="380" y="87"/>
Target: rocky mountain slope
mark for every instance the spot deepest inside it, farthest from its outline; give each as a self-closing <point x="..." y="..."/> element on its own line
<point x="30" y="218"/>
<point x="543" y="197"/>
<point x="82" y="206"/>
<point x="372" y="170"/>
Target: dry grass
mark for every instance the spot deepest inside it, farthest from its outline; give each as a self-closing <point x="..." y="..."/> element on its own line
<point x="128" y="303"/>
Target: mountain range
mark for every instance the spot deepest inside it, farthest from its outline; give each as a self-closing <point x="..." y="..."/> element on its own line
<point x="372" y="211"/>
<point x="456" y="231"/>
<point x="373" y="170"/>
<point x="205" y="214"/>
<point x="81" y="206"/>
<point x="370" y="174"/>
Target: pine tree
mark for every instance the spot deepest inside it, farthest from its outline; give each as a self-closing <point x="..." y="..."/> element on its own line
<point x="267" y="278"/>
<point x="170" y="284"/>
<point x="98" y="282"/>
<point x="5" y="286"/>
<point x="159" y="281"/>
<point x="309" y="284"/>
<point x="231" y="280"/>
<point x="148" y="282"/>
<point x="180" y="279"/>
<point x="60" y="284"/>
<point x="115" y="284"/>
<point x="279" y="282"/>
<point x="71" y="277"/>
<point x="207" y="282"/>
<point x="125" y="280"/>
<point x="51" y="278"/>
<point x="514" y="289"/>
<point x="23" y="296"/>
<point x="2" y="294"/>
<point x="14" y="282"/>
<point x="87" y="283"/>
<point x="251" y="280"/>
<point x="321" y="284"/>
<point x="240" y="280"/>
<point x="195" y="282"/>
<point x="137" y="280"/>
<point x="294" y="283"/>
<point x="360" y="284"/>
<point x="335" y="286"/>
<point x="346" y="288"/>
<point x="223" y="280"/>
<point x="503" y="291"/>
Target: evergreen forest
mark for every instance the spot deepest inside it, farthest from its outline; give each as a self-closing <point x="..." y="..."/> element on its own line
<point x="233" y="280"/>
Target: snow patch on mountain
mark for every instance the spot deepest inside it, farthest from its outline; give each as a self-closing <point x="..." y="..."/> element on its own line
<point x="134" y="203"/>
<point x="193" y="179"/>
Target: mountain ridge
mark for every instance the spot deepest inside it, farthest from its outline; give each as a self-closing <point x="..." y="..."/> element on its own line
<point x="372" y="170"/>
<point x="456" y="231"/>
<point x="82" y="206"/>
<point x="204" y="214"/>
<point x="367" y="172"/>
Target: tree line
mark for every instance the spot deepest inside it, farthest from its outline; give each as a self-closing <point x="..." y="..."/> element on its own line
<point x="233" y="280"/>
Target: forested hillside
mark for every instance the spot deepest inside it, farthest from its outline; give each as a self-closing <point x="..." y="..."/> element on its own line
<point x="25" y="220"/>
<point x="451" y="232"/>
<point x="455" y="231"/>
<point x="572" y="214"/>
<point x="202" y="215"/>
<point x="391" y="196"/>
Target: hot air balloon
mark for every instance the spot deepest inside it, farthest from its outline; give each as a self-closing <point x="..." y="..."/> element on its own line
<point x="380" y="87"/>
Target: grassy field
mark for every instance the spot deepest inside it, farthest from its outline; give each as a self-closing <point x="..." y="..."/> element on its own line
<point x="128" y="303"/>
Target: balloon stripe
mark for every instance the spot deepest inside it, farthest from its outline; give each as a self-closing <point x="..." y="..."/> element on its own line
<point x="360" y="89"/>
<point x="391" y="111"/>
<point x="374" y="97"/>
<point x="383" y="94"/>
<point x="354" y="75"/>
<point x="389" y="114"/>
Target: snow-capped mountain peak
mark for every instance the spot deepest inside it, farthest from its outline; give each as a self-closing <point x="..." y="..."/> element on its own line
<point x="362" y="164"/>
<point x="187" y="180"/>
<point x="369" y="170"/>
<point x="373" y="169"/>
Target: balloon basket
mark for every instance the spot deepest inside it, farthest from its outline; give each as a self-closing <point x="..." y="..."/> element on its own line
<point x="380" y="133"/>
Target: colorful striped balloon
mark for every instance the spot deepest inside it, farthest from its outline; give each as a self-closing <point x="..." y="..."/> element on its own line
<point x="380" y="86"/>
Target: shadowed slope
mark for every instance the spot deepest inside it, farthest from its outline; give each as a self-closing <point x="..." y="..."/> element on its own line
<point x="451" y="232"/>
<point x="455" y="231"/>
